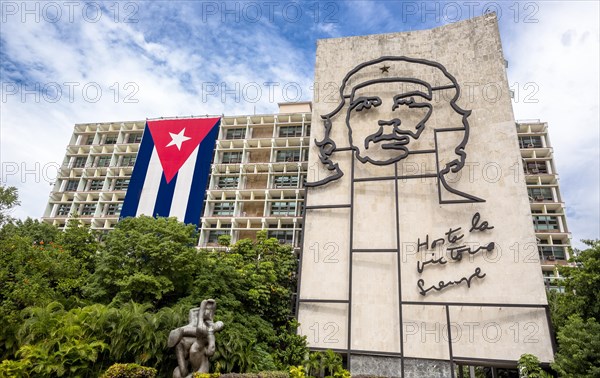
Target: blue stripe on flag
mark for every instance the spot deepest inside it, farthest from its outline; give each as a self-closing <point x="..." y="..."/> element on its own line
<point x="164" y="198"/>
<point x="201" y="173"/>
<point x="136" y="183"/>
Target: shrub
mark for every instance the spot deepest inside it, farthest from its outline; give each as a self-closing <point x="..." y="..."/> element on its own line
<point x="264" y="374"/>
<point x="10" y="369"/>
<point x="129" y="371"/>
<point x="297" y="372"/>
<point x="529" y="367"/>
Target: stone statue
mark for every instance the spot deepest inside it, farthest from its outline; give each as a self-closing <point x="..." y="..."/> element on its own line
<point x="195" y="342"/>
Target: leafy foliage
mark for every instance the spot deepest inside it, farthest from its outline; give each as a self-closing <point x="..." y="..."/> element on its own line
<point x="40" y="233"/>
<point x="71" y="306"/>
<point x="55" y="340"/>
<point x="583" y="282"/>
<point x="81" y="242"/>
<point x="129" y="371"/>
<point x="33" y="273"/>
<point x="320" y="363"/>
<point x="147" y="260"/>
<point x="9" y="198"/>
<point x="579" y="351"/>
<point x="297" y="372"/>
<point x="529" y="367"/>
<point x="576" y="315"/>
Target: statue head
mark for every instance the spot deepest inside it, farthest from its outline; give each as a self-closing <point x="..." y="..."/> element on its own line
<point x="207" y="309"/>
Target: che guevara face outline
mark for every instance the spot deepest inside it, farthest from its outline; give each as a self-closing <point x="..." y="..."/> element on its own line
<point x="389" y="139"/>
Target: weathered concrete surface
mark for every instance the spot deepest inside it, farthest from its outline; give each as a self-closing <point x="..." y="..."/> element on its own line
<point x="491" y="170"/>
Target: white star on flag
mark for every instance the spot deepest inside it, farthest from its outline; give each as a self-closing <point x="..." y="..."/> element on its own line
<point x="178" y="139"/>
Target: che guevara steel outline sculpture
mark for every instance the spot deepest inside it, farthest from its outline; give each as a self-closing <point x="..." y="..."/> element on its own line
<point x="398" y="138"/>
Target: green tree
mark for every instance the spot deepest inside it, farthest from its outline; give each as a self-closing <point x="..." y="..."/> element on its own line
<point x="33" y="275"/>
<point x="80" y="241"/>
<point x="332" y="362"/>
<point x="86" y="340"/>
<point x="529" y="367"/>
<point x="147" y="260"/>
<point x="39" y="232"/>
<point x="9" y="198"/>
<point x="291" y="349"/>
<point x="224" y="240"/>
<point x="583" y="282"/>
<point x="253" y="284"/>
<point x="268" y="270"/>
<point x="148" y="274"/>
<point x="579" y="348"/>
<point x="576" y="315"/>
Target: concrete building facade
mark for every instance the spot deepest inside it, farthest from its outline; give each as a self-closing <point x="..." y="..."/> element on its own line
<point x="259" y="167"/>
<point x="398" y="260"/>
<point x="99" y="160"/>
<point x="547" y="205"/>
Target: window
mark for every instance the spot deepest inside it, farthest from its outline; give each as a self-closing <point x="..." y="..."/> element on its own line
<point x="290" y="131"/>
<point x="223" y="208"/>
<point x="552" y="252"/>
<point x="530" y="142"/>
<point x="96" y="184"/>
<point x="121" y="184"/>
<point x="536" y="167"/>
<point x="71" y="185"/>
<point x="128" y="161"/>
<point x="223" y="225"/>
<point x="545" y="223"/>
<point x="235" y="134"/>
<point x="284" y="236"/>
<point x="88" y="209"/>
<point x="227" y="182"/>
<point x="285" y="182"/>
<point x="110" y="139"/>
<point x="87" y="140"/>
<point x="113" y="208"/>
<point x="540" y="194"/>
<point x="288" y="155"/>
<point x="79" y="162"/>
<point x="63" y="210"/>
<point x="134" y="138"/>
<point x="307" y="128"/>
<point x="232" y="157"/>
<point x="283" y="208"/>
<point x="103" y="161"/>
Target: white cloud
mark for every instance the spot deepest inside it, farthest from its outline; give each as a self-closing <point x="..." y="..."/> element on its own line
<point x="166" y="76"/>
<point x="560" y="55"/>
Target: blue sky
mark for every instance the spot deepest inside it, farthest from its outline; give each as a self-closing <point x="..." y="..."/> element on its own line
<point x="74" y="62"/>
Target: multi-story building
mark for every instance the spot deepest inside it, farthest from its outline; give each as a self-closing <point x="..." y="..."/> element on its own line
<point x="95" y="174"/>
<point x="257" y="177"/>
<point x="258" y="170"/>
<point x="256" y="183"/>
<point x="547" y="205"/>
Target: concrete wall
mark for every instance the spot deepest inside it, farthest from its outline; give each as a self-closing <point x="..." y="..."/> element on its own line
<point x="262" y="132"/>
<point x="386" y="226"/>
<point x="294" y="107"/>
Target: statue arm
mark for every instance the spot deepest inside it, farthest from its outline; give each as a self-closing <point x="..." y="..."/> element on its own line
<point x="218" y="326"/>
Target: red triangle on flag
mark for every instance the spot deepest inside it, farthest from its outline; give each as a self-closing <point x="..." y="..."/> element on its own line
<point x="176" y="139"/>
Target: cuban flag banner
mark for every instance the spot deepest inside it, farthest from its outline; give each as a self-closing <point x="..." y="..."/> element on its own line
<point x="172" y="168"/>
